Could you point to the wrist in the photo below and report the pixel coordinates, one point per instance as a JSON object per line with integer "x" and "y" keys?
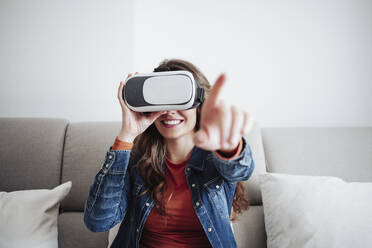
{"x": 230, "y": 154}
{"x": 228, "y": 150}
{"x": 231, "y": 149}
{"x": 126, "y": 137}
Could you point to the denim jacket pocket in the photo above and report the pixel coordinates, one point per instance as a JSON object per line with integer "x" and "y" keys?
{"x": 217, "y": 195}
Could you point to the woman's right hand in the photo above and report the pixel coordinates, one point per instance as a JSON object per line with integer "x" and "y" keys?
{"x": 133, "y": 123}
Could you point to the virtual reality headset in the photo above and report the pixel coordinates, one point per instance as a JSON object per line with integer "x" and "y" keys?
{"x": 158, "y": 91}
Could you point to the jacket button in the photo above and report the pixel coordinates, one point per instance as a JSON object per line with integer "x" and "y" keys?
{"x": 193, "y": 185}
{"x": 107, "y": 165}
{"x": 197, "y": 204}
{"x": 137, "y": 230}
{"x": 110, "y": 156}
{"x": 147, "y": 204}
{"x": 217, "y": 186}
{"x": 209, "y": 229}
{"x": 188, "y": 169}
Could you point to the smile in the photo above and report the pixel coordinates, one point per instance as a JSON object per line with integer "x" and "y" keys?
{"x": 171, "y": 123}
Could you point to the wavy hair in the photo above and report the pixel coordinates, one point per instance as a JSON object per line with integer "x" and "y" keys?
{"x": 151, "y": 149}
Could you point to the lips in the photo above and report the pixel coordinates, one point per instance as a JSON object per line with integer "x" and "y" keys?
{"x": 171, "y": 122}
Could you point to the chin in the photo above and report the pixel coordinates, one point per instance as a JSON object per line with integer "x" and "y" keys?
{"x": 174, "y": 135}
{"x": 170, "y": 135}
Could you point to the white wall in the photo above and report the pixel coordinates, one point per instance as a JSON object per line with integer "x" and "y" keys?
{"x": 64, "y": 58}
{"x": 290, "y": 63}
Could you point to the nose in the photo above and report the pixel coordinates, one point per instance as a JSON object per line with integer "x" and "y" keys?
{"x": 171, "y": 112}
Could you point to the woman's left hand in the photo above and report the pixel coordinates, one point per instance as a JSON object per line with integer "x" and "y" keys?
{"x": 221, "y": 126}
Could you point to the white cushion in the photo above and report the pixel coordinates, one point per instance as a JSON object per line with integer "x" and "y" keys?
{"x": 316, "y": 211}
{"x": 28, "y": 218}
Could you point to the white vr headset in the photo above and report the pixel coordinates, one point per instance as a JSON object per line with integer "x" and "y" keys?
{"x": 158, "y": 91}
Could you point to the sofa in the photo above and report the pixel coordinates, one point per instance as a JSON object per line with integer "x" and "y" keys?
{"x": 41, "y": 153}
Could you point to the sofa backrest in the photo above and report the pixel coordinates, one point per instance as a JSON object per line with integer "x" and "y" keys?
{"x": 344, "y": 152}
{"x": 31, "y": 152}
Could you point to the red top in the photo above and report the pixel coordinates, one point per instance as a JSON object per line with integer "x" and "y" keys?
{"x": 181, "y": 227}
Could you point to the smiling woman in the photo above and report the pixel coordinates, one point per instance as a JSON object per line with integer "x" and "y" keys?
{"x": 182, "y": 170}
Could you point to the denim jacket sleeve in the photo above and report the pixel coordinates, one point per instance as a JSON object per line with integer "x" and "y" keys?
{"x": 238, "y": 169}
{"x": 107, "y": 203}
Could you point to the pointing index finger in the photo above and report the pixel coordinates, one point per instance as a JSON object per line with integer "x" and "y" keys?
{"x": 216, "y": 89}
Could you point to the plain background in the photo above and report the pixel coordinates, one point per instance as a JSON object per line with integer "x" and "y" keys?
{"x": 289, "y": 63}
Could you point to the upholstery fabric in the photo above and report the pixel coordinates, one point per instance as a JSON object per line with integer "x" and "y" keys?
{"x": 323, "y": 211}
{"x": 30, "y": 152}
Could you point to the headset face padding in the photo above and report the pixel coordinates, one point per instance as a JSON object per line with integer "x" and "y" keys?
{"x": 157, "y": 91}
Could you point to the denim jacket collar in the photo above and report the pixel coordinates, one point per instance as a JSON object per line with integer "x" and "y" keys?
{"x": 197, "y": 160}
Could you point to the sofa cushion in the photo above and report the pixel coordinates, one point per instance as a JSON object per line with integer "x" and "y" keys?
{"x": 249, "y": 229}
{"x": 72, "y": 232}
{"x": 28, "y": 218}
{"x": 316, "y": 211}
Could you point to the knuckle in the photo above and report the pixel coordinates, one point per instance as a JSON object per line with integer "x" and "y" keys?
{"x": 218, "y": 109}
{"x": 234, "y": 109}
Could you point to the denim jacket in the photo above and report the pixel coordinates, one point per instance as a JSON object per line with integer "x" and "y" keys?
{"x": 114, "y": 195}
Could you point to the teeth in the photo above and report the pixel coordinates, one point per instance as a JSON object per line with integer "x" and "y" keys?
{"x": 173, "y": 122}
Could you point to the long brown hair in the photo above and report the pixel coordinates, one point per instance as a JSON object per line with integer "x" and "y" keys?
{"x": 151, "y": 150}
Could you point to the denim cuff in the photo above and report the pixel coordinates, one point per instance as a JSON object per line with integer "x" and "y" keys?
{"x": 238, "y": 169}
{"x": 116, "y": 161}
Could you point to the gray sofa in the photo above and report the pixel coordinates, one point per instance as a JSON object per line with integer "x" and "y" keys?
{"x": 40, "y": 153}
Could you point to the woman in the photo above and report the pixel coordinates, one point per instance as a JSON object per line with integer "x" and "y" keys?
{"x": 172, "y": 177}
